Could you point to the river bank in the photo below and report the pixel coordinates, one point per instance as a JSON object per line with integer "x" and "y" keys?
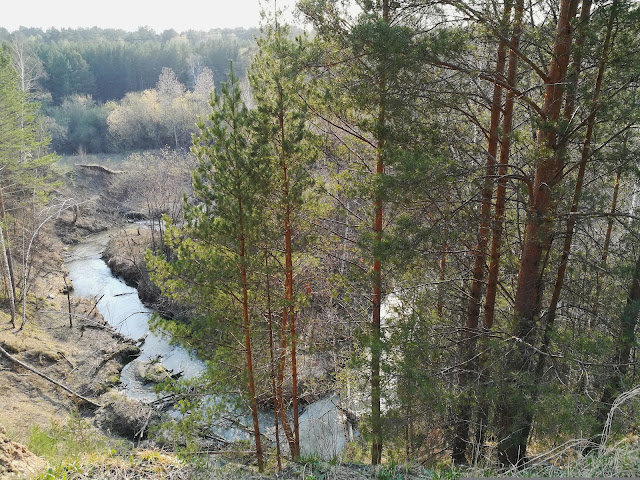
{"x": 121, "y": 308}
{"x": 86, "y": 356}
{"x": 65, "y": 338}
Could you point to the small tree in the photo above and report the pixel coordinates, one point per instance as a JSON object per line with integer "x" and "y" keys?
{"x": 217, "y": 251}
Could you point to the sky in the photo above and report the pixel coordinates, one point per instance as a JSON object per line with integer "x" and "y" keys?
{"x": 159, "y": 15}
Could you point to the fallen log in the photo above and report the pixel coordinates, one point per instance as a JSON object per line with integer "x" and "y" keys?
{"x": 126, "y": 354}
{"x": 40, "y": 374}
{"x": 99, "y": 168}
{"x": 95, "y": 305}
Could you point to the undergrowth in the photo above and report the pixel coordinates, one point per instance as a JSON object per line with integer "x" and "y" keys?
{"x": 66, "y": 442}
{"x": 619, "y": 460}
{"x": 75, "y": 450}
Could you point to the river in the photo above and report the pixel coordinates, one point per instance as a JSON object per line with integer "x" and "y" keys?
{"x": 321, "y": 428}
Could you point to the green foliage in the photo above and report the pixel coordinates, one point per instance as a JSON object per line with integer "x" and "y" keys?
{"x": 65, "y": 444}
{"x": 23, "y": 150}
{"x": 108, "y": 64}
{"x": 446, "y": 472}
{"x": 313, "y": 468}
{"x": 79, "y": 124}
{"x": 278, "y": 87}
{"x": 68, "y": 73}
{"x": 389, "y": 472}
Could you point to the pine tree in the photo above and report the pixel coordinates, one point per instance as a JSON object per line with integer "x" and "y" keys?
{"x": 218, "y": 249}
{"x": 278, "y": 87}
{"x": 373, "y": 68}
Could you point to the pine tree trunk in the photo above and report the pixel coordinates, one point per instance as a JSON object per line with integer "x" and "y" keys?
{"x": 12, "y": 300}
{"x": 550, "y": 315}
{"x": 376, "y": 336}
{"x": 289, "y": 311}
{"x": 277, "y": 402}
{"x": 376, "y": 297}
{"x": 8, "y": 261}
{"x": 376, "y": 342}
{"x": 288, "y": 317}
{"x": 605, "y": 247}
{"x": 441, "y": 277}
{"x": 247, "y": 341}
{"x": 576, "y": 65}
{"x": 516, "y": 407}
{"x": 469, "y": 368}
{"x": 501, "y": 189}
{"x": 286, "y": 427}
{"x": 482, "y": 419}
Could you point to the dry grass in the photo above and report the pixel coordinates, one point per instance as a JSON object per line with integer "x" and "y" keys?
{"x": 619, "y": 460}
{"x": 141, "y": 464}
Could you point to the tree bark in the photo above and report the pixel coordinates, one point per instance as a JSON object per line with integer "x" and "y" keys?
{"x": 6, "y": 252}
{"x": 605, "y": 247}
{"x": 515, "y": 410}
{"x": 286, "y": 427}
{"x": 288, "y": 313}
{"x": 11, "y": 290}
{"x": 441, "y": 277}
{"x": 501, "y": 189}
{"x": 376, "y": 336}
{"x": 277, "y": 402}
{"x": 482, "y": 419}
{"x": 247, "y": 340}
{"x": 550, "y": 315}
{"x": 471, "y": 333}
{"x": 67, "y": 290}
{"x": 576, "y": 65}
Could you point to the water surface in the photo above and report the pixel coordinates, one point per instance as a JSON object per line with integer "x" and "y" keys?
{"x": 321, "y": 423}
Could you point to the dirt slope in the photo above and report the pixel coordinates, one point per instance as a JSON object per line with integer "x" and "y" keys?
{"x": 16, "y": 461}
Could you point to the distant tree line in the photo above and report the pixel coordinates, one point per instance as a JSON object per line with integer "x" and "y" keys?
{"x": 78, "y": 74}
{"x": 107, "y": 64}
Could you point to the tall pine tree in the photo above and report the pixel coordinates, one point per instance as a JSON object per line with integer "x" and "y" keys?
{"x": 218, "y": 251}
{"x": 278, "y": 86}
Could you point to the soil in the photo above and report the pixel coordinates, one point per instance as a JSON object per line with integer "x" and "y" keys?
{"x": 125, "y": 253}
{"x": 125, "y": 417}
{"x": 86, "y": 357}
{"x": 125, "y": 257}
{"x": 16, "y": 461}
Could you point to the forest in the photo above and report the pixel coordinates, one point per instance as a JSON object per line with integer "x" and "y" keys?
{"x": 81, "y": 76}
{"x": 424, "y": 211}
